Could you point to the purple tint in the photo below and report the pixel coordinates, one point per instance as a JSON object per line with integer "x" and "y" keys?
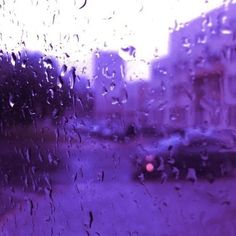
{"x": 105, "y": 156}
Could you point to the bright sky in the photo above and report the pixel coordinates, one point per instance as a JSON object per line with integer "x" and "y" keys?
{"x": 100, "y": 24}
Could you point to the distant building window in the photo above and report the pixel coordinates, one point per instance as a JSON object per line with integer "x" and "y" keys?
{"x": 214, "y": 56}
{"x": 229, "y": 53}
{"x": 232, "y": 85}
{"x": 232, "y": 116}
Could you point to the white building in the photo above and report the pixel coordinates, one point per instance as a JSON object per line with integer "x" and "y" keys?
{"x": 200, "y": 71}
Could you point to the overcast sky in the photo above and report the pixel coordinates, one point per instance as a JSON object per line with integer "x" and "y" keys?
{"x": 102, "y": 24}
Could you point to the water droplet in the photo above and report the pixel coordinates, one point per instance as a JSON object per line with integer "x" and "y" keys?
{"x": 112, "y": 86}
{"x": 63, "y": 70}
{"x": 30, "y": 206}
{"x": 77, "y": 37}
{"x": 127, "y": 52}
{"x": 23, "y": 64}
{"x": 13, "y": 58}
{"x": 72, "y": 78}
{"x": 11, "y": 101}
{"x": 115, "y": 101}
{"x": 186, "y": 43}
{"x": 59, "y": 82}
{"x": 106, "y": 73}
{"x": 47, "y": 63}
{"x": 84, "y": 4}
{"x": 124, "y": 96}
{"x": 226, "y": 31}
{"x": 206, "y": 23}
{"x": 201, "y": 39}
{"x": 40, "y": 156}
{"x": 51, "y": 93}
{"x": 105, "y": 91}
{"x": 50, "y": 158}
{"x": 27, "y": 155}
{"x": 50, "y": 96}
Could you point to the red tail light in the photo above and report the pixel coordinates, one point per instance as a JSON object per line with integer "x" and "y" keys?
{"x": 149, "y": 167}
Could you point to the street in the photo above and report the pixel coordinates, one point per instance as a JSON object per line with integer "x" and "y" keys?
{"x": 91, "y": 192}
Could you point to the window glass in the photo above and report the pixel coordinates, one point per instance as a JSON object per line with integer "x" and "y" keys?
{"x": 117, "y": 117}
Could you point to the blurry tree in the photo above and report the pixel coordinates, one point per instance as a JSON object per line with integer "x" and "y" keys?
{"x": 32, "y": 87}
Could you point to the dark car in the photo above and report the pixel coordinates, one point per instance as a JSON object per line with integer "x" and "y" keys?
{"x": 197, "y": 153}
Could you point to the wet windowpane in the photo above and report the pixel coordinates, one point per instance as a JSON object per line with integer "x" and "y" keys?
{"x": 117, "y": 117}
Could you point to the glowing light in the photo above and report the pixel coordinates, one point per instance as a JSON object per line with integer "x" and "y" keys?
{"x": 149, "y": 167}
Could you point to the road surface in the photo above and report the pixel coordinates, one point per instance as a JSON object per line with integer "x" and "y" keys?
{"x": 86, "y": 188}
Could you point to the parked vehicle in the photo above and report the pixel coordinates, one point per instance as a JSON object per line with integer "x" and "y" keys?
{"x": 209, "y": 153}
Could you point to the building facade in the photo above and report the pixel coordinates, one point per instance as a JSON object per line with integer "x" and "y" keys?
{"x": 200, "y": 71}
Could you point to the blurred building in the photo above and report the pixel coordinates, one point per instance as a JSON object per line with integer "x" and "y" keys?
{"x": 109, "y": 85}
{"x": 194, "y": 85}
{"x": 115, "y": 99}
{"x": 199, "y": 72}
